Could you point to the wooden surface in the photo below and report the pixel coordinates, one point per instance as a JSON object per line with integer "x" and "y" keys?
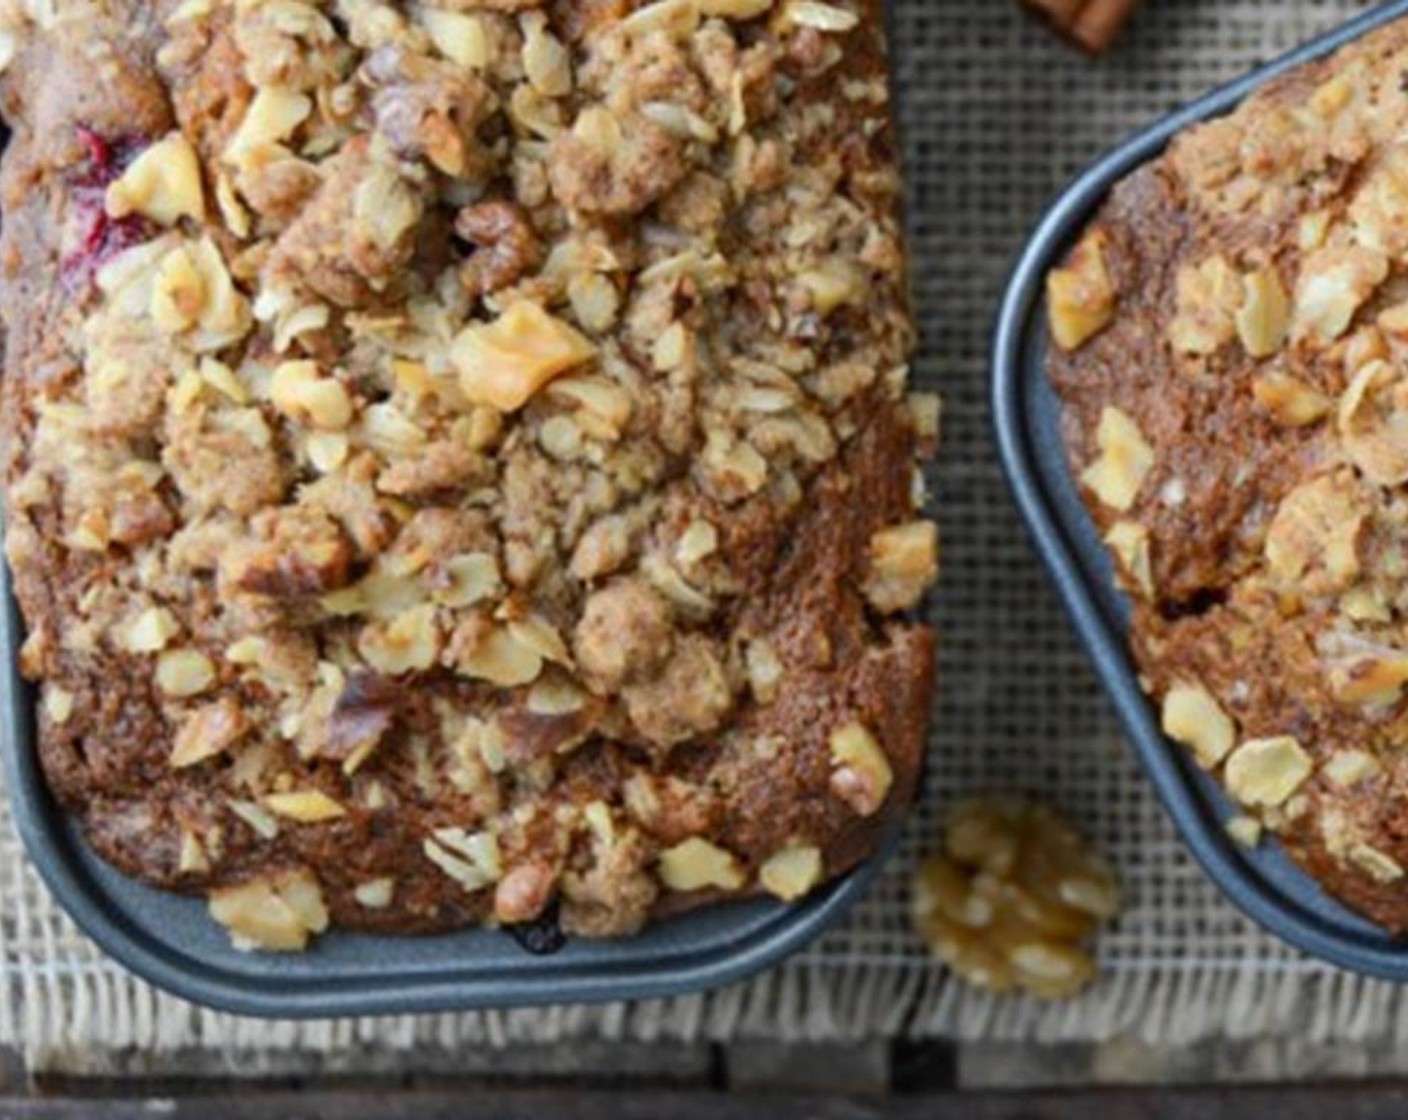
{"x": 1380, "y": 1102}
{"x": 745, "y": 1081}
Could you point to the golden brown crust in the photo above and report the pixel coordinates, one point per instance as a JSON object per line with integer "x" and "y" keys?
{"x": 459, "y": 459}
{"x": 1230, "y": 350}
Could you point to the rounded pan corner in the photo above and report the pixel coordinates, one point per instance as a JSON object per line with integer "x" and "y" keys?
{"x": 263, "y": 990}
{"x": 170, "y": 942}
{"x": 1265, "y": 885}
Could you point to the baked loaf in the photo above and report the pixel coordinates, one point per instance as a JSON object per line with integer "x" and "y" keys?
{"x": 457, "y": 455}
{"x": 1232, "y": 351}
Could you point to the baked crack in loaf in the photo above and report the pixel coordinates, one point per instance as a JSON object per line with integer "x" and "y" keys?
{"x": 457, "y": 454}
{"x": 1232, "y": 351}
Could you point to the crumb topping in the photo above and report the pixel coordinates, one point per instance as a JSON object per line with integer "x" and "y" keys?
{"x": 443, "y": 381}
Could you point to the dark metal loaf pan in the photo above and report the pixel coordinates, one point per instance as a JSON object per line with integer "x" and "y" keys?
{"x": 170, "y": 940}
{"x": 1026, "y": 413}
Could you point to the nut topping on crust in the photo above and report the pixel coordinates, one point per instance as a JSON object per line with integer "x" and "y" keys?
{"x": 863, "y": 776}
{"x": 449, "y": 418}
{"x": 695, "y": 864}
{"x": 162, "y": 184}
{"x": 1194, "y": 718}
{"x": 1080, "y": 297}
{"x": 1265, "y": 772}
{"x": 1313, "y": 542}
{"x": 791, "y": 873}
{"x": 1125, "y": 461}
{"x": 505, "y": 362}
{"x": 276, "y": 912}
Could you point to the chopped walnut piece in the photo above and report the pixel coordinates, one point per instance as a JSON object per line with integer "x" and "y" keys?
{"x": 277, "y": 911}
{"x": 1368, "y": 676}
{"x": 301, "y": 393}
{"x": 696, "y": 864}
{"x": 1291, "y": 403}
{"x": 1124, "y": 463}
{"x": 150, "y": 631}
{"x": 904, "y": 563}
{"x": 1245, "y": 831}
{"x": 1348, "y": 768}
{"x": 163, "y": 184}
{"x": 178, "y": 293}
{"x": 461, "y": 37}
{"x": 270, "y": 118}
{"x": 834, "y": 283}
{"x": 1334, "y": 284}
{"x": 546, "y": 62}
{"x": 1210, "y": 298}
{"x": 289, "y": 553}
{"x": 471, "y": 859}
{"x": 1373, "y": 422}
{"x": 375, "y": 894}
{"x": 1194, "y": 718}
{"x": 208, "y": 731}
{"x": 184, "y": 672}
{"x": 193, "y": 296}
{"x": 503, "y": 363}
{"x": 1021, "y": 920}
{"x": 814, "y": 14}
{"x": 524, "y": 892}
{"x": 697, "y": 543}
{"x": 862, "y": 775}
{"x": 1129, "y": 541}
{"x": 1265, "y": 772}
{"x": 1080, "y": 296}
{"x": 791, "y": 873}
{"x": 406, "y": 644}
{"x": 58, "y": 704}
{"x": 1313, "y": 541}
{"x": 507, "y": 246}
{"x": 361, "y": 716}
{"x": 426, "y": 109}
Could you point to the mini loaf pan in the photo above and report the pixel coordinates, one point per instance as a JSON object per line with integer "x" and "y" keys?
{"x": 171, "y": 941}
{"x": 1263, "y": 882}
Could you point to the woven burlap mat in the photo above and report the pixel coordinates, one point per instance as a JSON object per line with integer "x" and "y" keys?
{"x": 996, "y": 117}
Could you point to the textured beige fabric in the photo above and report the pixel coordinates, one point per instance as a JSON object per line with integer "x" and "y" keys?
{"x": 996, "y": 117}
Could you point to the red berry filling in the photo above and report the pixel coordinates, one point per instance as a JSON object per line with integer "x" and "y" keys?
{"x": 98, "y": 236}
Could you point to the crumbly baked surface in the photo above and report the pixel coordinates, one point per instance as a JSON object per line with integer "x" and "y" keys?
{"x": 457, "y": 457}
{"x": 1232, "y": 351}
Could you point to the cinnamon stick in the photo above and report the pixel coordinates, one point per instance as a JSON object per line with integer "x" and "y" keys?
{"x": 1091, "y": 25}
